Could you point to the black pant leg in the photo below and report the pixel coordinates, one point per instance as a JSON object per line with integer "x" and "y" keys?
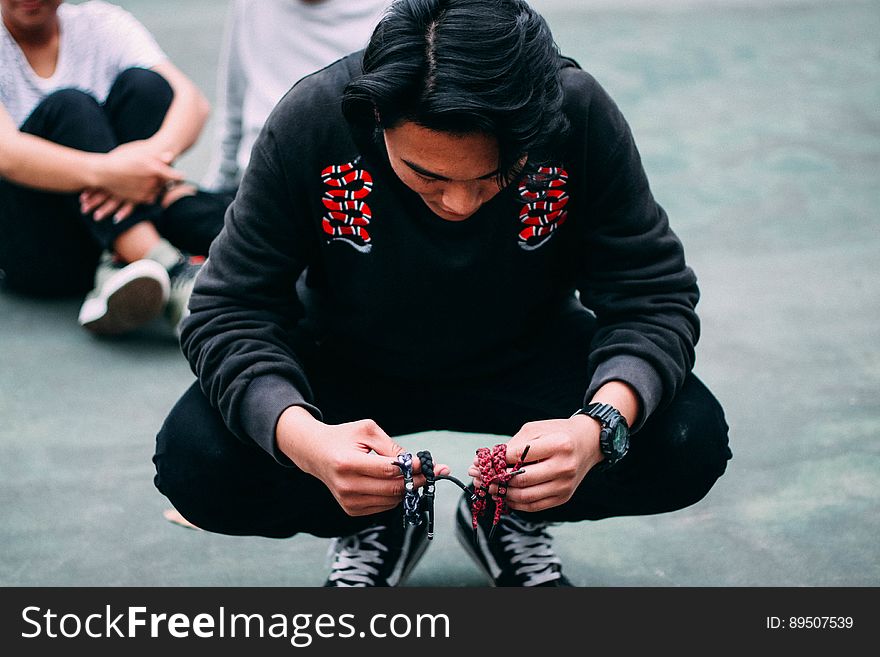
{"x": 192, "y": 222}
{"x": 135, "y": 109}
{"x": 228, "y": 486}
{"x": 137, "y": 104}
{"x": 674, "y": 461}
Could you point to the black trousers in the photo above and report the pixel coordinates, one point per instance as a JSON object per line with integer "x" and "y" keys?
{"x": 225, "y": 485}
{"x": 47, "y": 246}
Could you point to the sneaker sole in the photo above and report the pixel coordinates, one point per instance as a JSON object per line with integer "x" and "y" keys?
{"x": 135, "y": 295}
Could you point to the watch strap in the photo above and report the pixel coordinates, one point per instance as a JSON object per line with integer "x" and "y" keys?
{"x": 601, "y": 412}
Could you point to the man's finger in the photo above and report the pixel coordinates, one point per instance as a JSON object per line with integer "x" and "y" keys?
{"x": 124, "y": 212}
{"x": 541, "y": 446}
{"x": 539, "y": 505}
{"x": 166, "y": 173}
{"x": 107, "y": 208}
{"x": 91, "y": 200}
{"x": 519, "y": 496}
{"x": 376, "y": 466}
{"x": 382, "y": 491}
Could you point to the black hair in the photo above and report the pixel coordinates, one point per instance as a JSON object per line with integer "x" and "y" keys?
{"x": 464, "y": 66}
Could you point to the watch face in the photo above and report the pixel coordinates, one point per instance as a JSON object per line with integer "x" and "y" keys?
{"x": 620, "y": 439}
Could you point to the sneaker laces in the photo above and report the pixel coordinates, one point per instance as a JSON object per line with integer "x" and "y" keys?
{"x": 533, "y": 555}
{"x": 352, "y": 555}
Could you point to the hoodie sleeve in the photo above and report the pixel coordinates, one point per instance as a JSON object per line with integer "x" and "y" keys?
{"x": 635, "y": 279}
{"x": 244, "y": 305}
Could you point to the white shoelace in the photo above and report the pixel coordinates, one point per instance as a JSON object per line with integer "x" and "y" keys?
{"x": 352, "y": 556}
{"x": 533, "y": 555}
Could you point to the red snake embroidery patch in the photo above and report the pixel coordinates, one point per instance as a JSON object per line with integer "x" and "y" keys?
{"x": 545, "y": 198}
{"x": 348, "y": 215}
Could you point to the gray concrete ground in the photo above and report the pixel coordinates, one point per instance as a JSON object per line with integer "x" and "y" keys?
{"x": 759, "y": 124}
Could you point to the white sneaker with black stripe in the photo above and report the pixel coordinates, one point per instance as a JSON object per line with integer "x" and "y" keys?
{"x": 519, "y": 554}
{"x": 380, "y": 555}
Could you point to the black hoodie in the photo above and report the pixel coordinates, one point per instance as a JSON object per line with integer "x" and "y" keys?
{"x": 397, "y": 290}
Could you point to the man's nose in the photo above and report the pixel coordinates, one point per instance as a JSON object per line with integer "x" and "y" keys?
{"x": 461, "y": 198}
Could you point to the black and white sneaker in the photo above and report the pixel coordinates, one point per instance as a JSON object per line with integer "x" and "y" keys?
{"x": 380, "y": 555}
{"x": 183, "y": 279}
{"x": 125, "y": 297}
{"x": 519, "y": 554}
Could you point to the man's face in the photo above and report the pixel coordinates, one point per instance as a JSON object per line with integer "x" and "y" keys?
{"x": 454, "y": 174}
{"x": 28, "y": 15}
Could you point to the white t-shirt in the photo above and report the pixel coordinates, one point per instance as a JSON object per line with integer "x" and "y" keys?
{"x": 270, "y": 45}
{"x": 98, "y": 41}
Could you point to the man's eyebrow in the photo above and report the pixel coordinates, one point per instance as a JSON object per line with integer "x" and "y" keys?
{"x": 430, "y": 174}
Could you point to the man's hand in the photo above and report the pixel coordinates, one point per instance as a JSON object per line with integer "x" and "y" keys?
{"x": 561, "y": 452}
{"x": 101, "y": 204}
{"x": 354, "y": 460}
{"x": 131, "y": 173}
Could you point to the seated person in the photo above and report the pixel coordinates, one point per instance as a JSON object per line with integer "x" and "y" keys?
{"x": 92, "y": 117}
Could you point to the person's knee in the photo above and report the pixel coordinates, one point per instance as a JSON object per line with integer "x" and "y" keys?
{"x": 70, "y": 104}
{"x": 147, "y": 88}
{"x": 700, "y": 438}
{"x": 216, "y": 481}
{"x": 189, "y": 467}
{"x": 72, "y": 118}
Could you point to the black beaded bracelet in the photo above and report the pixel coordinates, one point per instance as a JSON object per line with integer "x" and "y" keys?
{"x": 410, "y": 496}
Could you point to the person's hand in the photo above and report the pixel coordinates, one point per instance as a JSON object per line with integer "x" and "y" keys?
{"x": 561, "y": 452}
{"x": 101, "y": 204}
{"x": 354, "y": 460}
{"x": 135, "y": 173}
